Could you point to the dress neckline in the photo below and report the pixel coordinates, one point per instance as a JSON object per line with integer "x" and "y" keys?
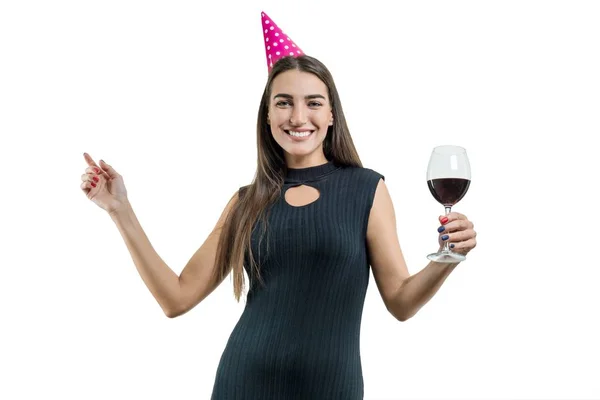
{"x": 310, "y": 174}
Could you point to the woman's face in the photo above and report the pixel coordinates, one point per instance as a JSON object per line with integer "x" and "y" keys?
{"x": 299, "y": 114}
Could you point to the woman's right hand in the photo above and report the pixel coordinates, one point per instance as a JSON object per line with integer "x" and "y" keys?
{"x": 103, "y": 185}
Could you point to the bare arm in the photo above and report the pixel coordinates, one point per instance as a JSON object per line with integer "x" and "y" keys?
{"x": 418, "y": 289}
{"x": 175, "y": 295}
{"x": 403, "y": 294}
{"x": 195, "y": 278}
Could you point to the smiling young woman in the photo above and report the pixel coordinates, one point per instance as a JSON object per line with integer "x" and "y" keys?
{"x": 308, "y": 230}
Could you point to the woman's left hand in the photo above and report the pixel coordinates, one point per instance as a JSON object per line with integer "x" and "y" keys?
{"x": 458, "y": 231}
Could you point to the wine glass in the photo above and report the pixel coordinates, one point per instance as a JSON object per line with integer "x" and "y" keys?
{"x": 448, "y": 179}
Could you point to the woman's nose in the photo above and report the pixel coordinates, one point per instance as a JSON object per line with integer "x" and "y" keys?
{"x": 298, "y": 117}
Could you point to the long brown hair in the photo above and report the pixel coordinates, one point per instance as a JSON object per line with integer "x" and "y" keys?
{"x": 271, "y": 170}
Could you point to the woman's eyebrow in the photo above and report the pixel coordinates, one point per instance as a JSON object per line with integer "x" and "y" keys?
{"x": 308, "y": 97}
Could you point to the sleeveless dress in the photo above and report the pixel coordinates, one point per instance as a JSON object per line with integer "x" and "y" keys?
{"x": 299, "y": 335}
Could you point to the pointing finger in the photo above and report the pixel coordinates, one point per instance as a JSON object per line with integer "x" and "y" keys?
{"x": 90, "y": 161}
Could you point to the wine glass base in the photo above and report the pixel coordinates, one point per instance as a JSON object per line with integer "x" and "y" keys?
{"x": 446, "y": 257}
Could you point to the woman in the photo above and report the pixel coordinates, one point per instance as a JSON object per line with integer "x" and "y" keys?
{"x": 305, "y": 231}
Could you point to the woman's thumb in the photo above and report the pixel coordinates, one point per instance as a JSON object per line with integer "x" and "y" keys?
{"x": 109, "y": 170}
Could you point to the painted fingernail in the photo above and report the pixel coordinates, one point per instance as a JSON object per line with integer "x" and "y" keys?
{"x": 444, "y": 220}
{"x": 93, "y": 184}
{"x": 95, "y": 178}
{"x": 452, "y": 246}
{"x": 441, "y": 229}
{"x": 96, "y": 170}
{"x": 445, "y": 237}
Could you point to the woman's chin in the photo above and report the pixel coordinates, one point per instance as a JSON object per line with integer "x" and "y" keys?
{"x": 298, "y": 152}
{"x": 298, "y": 147}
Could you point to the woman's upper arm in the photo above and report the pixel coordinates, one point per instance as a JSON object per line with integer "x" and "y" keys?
{"x": 195, "y": 278}
{"x": 386, "y": 259}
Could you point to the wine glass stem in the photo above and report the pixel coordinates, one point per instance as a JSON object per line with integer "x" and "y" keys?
{"x": 446, "y": 248}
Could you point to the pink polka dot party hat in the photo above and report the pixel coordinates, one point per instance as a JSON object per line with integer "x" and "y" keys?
{"x": 277, "y": 43}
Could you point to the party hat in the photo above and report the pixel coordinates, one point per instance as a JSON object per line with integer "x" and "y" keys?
{"x": 277, "y": 43}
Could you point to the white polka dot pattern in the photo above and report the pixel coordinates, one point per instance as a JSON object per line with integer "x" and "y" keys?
{"x": 271, "y": 34}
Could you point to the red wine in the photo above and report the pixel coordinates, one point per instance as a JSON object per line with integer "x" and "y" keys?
{"x": 448, "y": 191}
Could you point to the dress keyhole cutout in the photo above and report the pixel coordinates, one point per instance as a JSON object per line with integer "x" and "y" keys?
{"x": 302, "y": 195}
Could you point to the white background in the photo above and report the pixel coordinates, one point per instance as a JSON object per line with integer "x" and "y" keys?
{"x": 167, "y": 93}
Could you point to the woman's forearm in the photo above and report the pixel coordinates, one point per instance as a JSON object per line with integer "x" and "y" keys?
{"x": 162, "y": 282}
{"x": 419, "y": 288}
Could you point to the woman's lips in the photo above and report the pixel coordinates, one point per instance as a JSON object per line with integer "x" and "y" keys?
{"x": 299, "y": 138}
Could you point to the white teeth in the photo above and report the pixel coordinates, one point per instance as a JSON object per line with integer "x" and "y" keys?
{"x": 300, "y": 134}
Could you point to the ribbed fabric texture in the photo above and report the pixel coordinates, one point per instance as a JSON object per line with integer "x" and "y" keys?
{"x": 299, "y": 337}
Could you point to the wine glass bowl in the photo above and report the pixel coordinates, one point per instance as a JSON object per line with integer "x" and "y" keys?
{"x": 448, "y": 180}
{"x": 448, "y": 191}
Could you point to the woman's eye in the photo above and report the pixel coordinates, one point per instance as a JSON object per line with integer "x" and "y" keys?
{"x": 284, "y": 103}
